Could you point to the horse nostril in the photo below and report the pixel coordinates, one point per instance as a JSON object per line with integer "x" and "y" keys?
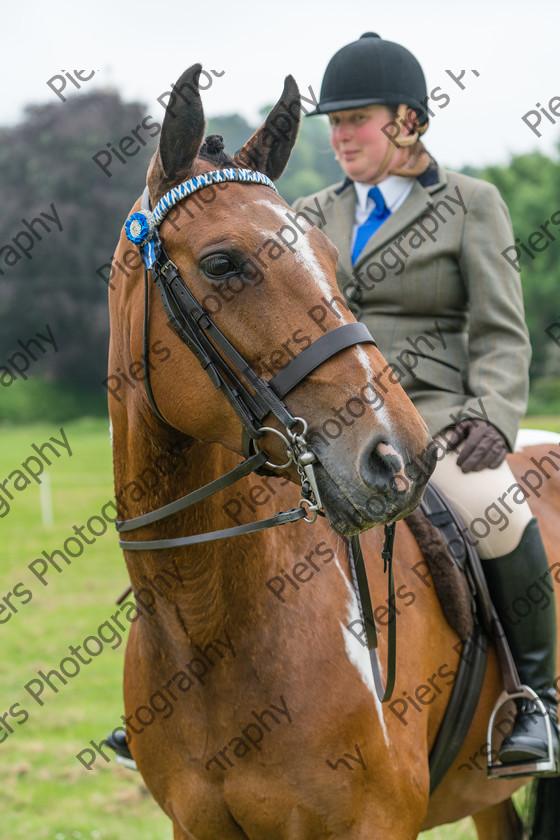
{"x": 382, "y": 468}
{"x": 390, "y": 457}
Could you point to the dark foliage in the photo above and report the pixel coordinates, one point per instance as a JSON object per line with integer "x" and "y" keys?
{"x": 46, "y": 160}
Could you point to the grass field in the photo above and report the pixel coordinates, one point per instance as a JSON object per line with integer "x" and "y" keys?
{"x": 45, "y": 793}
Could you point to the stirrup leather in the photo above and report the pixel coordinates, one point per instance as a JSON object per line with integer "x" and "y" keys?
{"x": 543, "y": 766}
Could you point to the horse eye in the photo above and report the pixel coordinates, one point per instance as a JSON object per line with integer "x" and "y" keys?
{"x": 219, "y": 266}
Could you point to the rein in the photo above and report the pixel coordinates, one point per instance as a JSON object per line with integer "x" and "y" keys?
{"x": 359, "y": 576}
{"x": 229, "y": 372}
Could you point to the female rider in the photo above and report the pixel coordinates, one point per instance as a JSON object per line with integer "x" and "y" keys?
{"x": 420, "y": 263}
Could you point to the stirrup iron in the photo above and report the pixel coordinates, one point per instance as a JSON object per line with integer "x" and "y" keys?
{"x": 542, "y": 766}
{"x": 126, "y": 762}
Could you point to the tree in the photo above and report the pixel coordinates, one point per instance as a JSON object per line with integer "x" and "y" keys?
{"x": 530, "y": 186}
{"x": 312, "y": 165}
{"x": 47, "y": 167}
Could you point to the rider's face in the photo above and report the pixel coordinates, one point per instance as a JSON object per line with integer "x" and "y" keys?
{"x": 359, "y": 142}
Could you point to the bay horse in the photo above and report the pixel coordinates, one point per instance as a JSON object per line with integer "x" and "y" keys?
{"x": 266, "y": 723}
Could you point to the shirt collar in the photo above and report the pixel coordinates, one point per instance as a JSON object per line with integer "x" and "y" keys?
{"x": 392, "y": 189}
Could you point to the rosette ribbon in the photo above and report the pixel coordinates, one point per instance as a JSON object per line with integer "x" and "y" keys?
{"x": 140, "y": 228}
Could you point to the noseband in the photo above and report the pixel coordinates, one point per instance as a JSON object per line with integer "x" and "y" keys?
{"x": 229, "y": 372}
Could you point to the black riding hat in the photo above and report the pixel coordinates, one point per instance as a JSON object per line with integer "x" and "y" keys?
{"x": 371, "y": 71}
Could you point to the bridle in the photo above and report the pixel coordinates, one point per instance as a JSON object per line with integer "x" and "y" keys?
{"x": 230, "y": 372}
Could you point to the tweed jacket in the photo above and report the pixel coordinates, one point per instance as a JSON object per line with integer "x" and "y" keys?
{"x": 444, "y": 306}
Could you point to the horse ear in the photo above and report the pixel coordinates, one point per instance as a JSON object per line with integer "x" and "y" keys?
{"x": 269, "y": 149}
{"x": 182, "y": 132}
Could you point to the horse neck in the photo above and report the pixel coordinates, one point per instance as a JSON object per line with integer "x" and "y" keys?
{"x": 210, "y": 581}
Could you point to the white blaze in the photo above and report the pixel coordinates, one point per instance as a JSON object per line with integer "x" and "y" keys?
{"x": 357, "y": 653}
{"x": 304, "y": 254}
{"x": 381, "y": 413}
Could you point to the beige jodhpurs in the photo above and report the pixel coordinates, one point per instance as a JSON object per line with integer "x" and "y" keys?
{"x": 490, "y": 503}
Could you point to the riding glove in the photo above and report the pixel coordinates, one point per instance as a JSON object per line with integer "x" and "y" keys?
{"x": 483, "y": 445}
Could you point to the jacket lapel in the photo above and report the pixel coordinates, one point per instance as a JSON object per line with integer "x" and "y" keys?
{"x": 414, "y": 207}
{"x": 340, "y": 224}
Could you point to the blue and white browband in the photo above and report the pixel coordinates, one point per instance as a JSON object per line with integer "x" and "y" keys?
{"x": 141, "y": 227}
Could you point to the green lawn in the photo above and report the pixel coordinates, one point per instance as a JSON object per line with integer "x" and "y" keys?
{"x": 549, "y": 422}
{"x": 45, "y": 792}
{"x": 48, "y": 794}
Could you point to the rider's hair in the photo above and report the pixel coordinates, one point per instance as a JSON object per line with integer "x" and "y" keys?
{"x": 418, "y": 158}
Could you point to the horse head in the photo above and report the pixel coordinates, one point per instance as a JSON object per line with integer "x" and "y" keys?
{"x": 265, "y": 277}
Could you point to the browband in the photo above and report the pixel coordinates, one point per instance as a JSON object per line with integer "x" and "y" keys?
{"x": 141, "y": 227}
{"x": 217, "y": 176}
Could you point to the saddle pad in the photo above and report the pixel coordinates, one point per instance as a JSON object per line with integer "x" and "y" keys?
{"x": 472, "y": 665}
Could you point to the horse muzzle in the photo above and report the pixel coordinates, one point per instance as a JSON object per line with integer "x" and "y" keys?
{"x": 384, "y": 486}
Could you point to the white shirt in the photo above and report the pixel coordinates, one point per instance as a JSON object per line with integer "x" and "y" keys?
{"x": 394, "y": 189}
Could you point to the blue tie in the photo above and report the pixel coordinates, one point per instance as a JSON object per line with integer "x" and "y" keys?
{"x": 375, "y": 219}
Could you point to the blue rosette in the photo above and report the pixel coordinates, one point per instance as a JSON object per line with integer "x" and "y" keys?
{"x": 140, "y": 227}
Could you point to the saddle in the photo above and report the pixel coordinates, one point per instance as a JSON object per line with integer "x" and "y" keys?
{"x": 477, "y": 627}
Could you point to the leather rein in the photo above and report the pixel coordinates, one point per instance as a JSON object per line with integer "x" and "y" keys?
{"x": 230, "y": 372}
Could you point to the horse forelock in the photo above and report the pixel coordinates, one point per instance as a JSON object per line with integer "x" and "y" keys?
{"x": 217, "y": 157}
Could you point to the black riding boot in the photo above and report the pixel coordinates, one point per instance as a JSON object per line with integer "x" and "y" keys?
{"x": 117, "y": 741}
{"x": 512, "y": 579}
